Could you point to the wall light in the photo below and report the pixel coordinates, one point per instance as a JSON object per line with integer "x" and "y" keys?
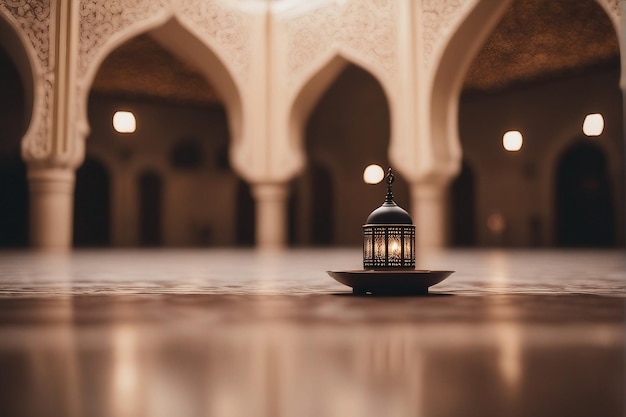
{"x": 512, "y": 141}
{"x": 373, "y": 174}
{"x": 496, "y": 223}
{"x": 124, "y": 122}
{"x": 593, "y": 124}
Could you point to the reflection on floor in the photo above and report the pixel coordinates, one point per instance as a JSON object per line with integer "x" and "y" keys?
{"x": 244, "y": 333}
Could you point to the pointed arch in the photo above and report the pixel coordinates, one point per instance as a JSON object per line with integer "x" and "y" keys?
{"x": 314, "y": 84}
{"x": 18, "y": 47}
{"x": 17, "y": 123}
{"x": 613, "y": 9}
{"x": 449, "y": 72}
{"x": 350, "y": 108}
{"x": 13, "y": 183}
{"x": 182, "y": 41}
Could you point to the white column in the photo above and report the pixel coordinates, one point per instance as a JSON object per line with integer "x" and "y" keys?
{"x": 51, "y": 192}
{"x": 428, "y": 210}
{"x": 271, "y": 215}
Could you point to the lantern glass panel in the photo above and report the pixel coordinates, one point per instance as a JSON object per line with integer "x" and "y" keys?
{"x": 408, "y": 244}
{"x": 367, "y": 244}
{"x": 379, "y": 245}
{"x": 394, "y": 246}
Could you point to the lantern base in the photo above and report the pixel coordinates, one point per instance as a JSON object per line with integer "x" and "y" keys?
{"x": 390, "y": 282}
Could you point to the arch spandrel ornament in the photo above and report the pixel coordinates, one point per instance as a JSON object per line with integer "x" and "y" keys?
{"x": 367, "y": 28}
{"x": 106, "y": 24}
{"x": 103, "y": 23}
{"x": 31, "y": 20}
{"x": 100, "y": 21}
{"x": 33, "y": 17}
{"x": 438, "y": 18}
{"x": 224, "y": 27}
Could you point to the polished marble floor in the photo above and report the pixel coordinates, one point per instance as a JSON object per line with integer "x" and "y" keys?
{"x": 246, "y": 333}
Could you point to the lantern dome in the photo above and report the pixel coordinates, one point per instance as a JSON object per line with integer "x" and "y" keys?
{"x": 389, "y": 213}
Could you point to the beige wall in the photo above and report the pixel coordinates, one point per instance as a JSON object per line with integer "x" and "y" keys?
{"x": 348, "y": 129}
{"x": 549, "y": 115}
{"x": 194, "y": 200}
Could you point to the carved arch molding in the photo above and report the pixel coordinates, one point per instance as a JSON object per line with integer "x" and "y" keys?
{"x": 225, "y": 26}
{"x": 101, "y": 22}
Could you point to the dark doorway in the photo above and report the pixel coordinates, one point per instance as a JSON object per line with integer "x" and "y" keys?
{"x": 311, "y": 218}
{"x": 245, "y": 215}
{"x": 13, "y": 184}
{"x": 584, "y": 204}
{"x": 13, "y": 201}
{"x": 92, "y": 202}
{"x": 322, "y": 209}
{"x": 150, "y": 207}
{"x": 293, "y": 209}
{"x": 463, "y": 208}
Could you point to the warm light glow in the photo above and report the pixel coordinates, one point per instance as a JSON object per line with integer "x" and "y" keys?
{"x": 394, "y": 248}
{"x": 124, "y": 122}
{"x": 593, "y": 124}
{"x": 512, "y": 141}
{"x": 373, "y": 174}
{"x": 496, "y": 223}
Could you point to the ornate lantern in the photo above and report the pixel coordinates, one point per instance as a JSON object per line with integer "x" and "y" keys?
{"x": 389, "y": 236}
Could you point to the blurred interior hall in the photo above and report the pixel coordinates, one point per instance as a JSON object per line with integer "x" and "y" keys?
{"x": 177, "y": 176}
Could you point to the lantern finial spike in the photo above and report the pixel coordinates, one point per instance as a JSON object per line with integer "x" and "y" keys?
{"x": 390, "y": 180}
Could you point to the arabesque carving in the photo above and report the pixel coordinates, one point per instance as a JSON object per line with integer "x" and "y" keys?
{"x": 102, "y": 19}
{"x": 364, "y": 26}
{"x": 33, "y": 18}
{"x": 226, "y": 27}
{"x": 438, "y": 15}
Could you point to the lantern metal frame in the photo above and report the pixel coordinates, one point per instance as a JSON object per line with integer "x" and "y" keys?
{"x": 378, "y": 239}
{"x": 389, "y": 236}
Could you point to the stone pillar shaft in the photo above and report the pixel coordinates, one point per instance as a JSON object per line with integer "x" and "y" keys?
{"x": 428, "y": 207}
{"x": 51, "y": 192}
{"x": 271, "y": 215}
